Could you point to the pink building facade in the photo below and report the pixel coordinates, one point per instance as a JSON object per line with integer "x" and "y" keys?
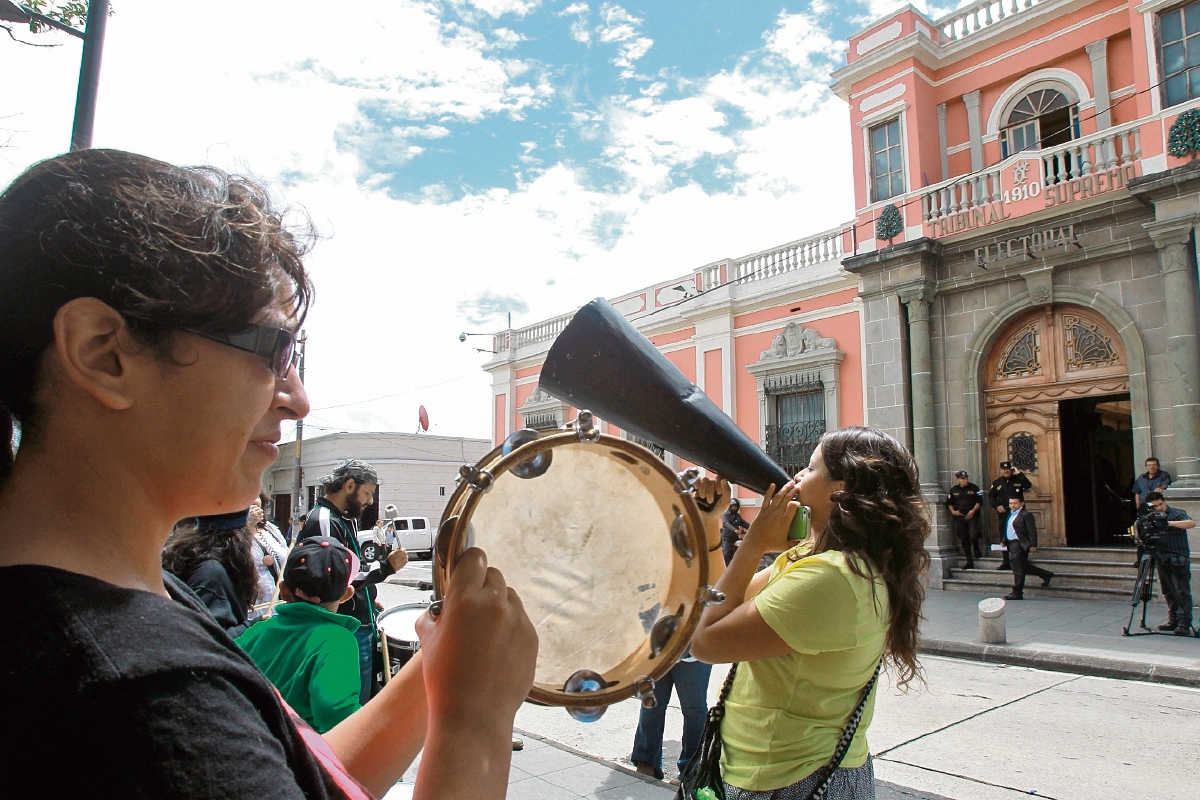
{"x": 1019, "y": 282}
{"x": 773, "y": 338}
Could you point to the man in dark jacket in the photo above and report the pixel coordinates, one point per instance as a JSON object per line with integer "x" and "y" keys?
{"x": 1020, "y": 535}
{"x": 348, "y": 490}
{"x": 732, "y": 528}
{"x": 965, "y": 502}
{"x": 1011, "y": 483}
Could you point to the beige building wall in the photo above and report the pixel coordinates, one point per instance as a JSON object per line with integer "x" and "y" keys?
{"x": 416, "y": 471}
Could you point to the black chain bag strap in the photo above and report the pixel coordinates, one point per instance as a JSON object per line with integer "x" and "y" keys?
{"x": 704, "y": 770}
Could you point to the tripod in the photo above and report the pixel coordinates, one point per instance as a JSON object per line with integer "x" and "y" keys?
{"x": 1143, "y": 591}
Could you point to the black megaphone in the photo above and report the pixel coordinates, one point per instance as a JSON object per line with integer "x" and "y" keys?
{"x": 601, "y": 363}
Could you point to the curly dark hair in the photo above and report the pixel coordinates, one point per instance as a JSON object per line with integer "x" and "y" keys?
{"x": 168, "y": 247}
{"x": 189, "y": 545}
{"x": 878, "y": 522}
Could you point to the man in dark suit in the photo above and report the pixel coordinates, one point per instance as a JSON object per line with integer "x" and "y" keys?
{"x": 1020, "y": 535}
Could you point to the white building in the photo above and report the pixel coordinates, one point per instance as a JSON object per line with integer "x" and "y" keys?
{"x": 416, "y": 471}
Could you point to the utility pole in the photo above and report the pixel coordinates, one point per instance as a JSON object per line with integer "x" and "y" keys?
{"x": 89, "y": 75}
{"x": 298, "y": 483}
{"x": 89, "y": 70}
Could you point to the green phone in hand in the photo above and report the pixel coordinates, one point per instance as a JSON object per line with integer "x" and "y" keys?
{"x": 800, "y": 524}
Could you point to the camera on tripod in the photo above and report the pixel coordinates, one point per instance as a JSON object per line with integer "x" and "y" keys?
{"x": 1151, "y": 526}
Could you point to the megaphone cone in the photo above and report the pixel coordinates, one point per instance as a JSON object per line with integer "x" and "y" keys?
{"x": 602, "y": 363}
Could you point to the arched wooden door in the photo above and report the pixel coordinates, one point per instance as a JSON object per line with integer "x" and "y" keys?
{"x": 1055, "y": 364}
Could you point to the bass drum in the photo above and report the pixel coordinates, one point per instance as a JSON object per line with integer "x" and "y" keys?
{"x": 605, "y": 546}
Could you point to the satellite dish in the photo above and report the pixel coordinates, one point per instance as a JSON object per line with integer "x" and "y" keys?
{"x": 423, "y": 418}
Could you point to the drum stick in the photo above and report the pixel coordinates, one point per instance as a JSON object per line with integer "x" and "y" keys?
{"x": 387, "y": 661}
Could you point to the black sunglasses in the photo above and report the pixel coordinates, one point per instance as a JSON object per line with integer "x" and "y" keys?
{"x": 276, "y": 345}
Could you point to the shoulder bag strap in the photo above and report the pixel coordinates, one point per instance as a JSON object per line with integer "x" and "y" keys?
{"x": 846, "y": 738}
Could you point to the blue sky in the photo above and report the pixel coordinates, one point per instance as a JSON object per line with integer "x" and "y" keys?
{"x": 464, "y": 159}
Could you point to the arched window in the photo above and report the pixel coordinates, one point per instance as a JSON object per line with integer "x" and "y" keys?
{"x": 1042, "y": 118}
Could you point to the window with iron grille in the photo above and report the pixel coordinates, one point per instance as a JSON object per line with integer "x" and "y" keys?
{"x": 542, "y": 422}
{"x": 651, "y": 446}
{"x": 1022, "y": 451}
{"x": 799, "y": 425}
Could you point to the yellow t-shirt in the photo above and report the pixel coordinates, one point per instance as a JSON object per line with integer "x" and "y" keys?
{"x": 785, "y": 714}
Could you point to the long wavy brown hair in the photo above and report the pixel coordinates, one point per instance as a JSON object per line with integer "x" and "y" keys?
{"x": 878, "y": 522}
{"x": 190, "y": 545}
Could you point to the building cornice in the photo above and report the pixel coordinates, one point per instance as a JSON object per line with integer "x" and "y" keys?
{"x": 937, "y": 56}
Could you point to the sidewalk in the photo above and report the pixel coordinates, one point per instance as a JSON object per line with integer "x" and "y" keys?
{"x": 1079, "y": 636}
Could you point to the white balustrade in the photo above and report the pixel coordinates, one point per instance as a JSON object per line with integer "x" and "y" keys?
{"x": 1108, "y": 149}
{"x": 960, "y": 194}
{"x": 826, "y": 246}
{"x": 961, "y": 23}
{"x": 710, "y": 277}
{"x": 541, "y": 332}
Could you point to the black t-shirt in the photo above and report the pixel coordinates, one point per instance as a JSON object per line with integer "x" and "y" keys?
{"x": 129, "y": 694}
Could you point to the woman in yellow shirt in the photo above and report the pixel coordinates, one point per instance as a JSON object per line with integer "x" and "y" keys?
{"x": 812, "y": 628}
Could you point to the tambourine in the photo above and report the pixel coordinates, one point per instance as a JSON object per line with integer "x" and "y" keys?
{"x": 606, "y": 548}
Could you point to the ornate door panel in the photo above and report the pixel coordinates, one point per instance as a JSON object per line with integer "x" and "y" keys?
{"x": 1027, "y": 435}
{"x": 1049, "y": 355}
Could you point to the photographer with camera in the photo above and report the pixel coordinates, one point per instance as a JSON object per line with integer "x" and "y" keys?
{"x": 1161, "y": 531}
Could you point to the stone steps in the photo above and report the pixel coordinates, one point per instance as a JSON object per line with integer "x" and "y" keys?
{"x": 1084, "y": 573}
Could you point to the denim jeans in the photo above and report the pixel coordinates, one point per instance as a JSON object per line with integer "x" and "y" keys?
{"x": 690, "y": 679}
{"x": 366, "y": 655}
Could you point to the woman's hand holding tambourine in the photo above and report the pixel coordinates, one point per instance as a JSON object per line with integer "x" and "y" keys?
{"x": 480, "y": 651}
{"x": 769, "y": 531}
{"x": 714, "y": 492}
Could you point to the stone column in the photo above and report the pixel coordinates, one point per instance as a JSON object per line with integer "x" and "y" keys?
{"x": 942, "y": 147}
{"x": 974, "y": 129}
{"x": 1098, "y": 53}
{"x": 1172, "y": 238}
{"x": 917, "y": 298}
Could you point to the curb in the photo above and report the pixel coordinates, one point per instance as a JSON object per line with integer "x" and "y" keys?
{"x": 1098, "y": 666}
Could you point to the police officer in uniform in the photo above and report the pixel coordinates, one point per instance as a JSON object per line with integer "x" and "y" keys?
{"x": 1011, "y": 483}
{"x": 965, "y": 502}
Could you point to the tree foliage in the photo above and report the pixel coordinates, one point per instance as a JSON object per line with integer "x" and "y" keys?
{"x": 73, "y": 13}
{"x": 1184, "y": 136}
{"x": 890, "y": 223}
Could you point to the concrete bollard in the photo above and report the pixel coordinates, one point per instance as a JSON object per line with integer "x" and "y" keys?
{"x": 991, "y": 621}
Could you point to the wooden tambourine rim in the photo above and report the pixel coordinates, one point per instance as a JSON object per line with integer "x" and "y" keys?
{"x": 462, "y": 505}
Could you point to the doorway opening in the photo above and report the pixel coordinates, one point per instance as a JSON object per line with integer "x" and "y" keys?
{"x": 1097, "y": 469}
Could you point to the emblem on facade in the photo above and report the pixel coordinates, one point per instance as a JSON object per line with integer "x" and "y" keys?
{"x": 796, "y": 340}
{"x": 1020, "y": 173}
{"x": 539, "y": 395}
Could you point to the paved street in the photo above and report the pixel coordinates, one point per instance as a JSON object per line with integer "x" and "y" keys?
{"x": 980, "y": 731}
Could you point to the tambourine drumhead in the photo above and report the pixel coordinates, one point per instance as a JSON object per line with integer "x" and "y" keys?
{"x": 601, "y": 547}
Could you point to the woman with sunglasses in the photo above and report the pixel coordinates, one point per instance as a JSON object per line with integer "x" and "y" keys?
{"x": 146, "y": 365}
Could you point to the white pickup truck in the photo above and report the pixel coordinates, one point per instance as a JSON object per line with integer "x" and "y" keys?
{"x": 414, "y": 534}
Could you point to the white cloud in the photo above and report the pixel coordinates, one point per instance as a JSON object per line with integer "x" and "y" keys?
{"x": 395, "y": 271}
{"x": 579, "y": 26}
{"x": 623, "y": 29}
{"x": 496, "y": 8}
{"x": 506, "y": 39}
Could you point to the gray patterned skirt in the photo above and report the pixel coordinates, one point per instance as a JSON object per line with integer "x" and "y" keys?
{"x": 856, "y": 783}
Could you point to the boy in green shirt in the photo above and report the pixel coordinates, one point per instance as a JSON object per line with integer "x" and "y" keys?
{"x": 308, "y": 650}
